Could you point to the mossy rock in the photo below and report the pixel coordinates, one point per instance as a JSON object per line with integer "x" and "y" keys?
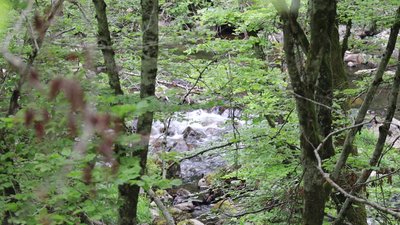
{"x": 225, "y": 206}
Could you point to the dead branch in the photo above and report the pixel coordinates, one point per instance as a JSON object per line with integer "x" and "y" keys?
{"x": 169, "y": 219}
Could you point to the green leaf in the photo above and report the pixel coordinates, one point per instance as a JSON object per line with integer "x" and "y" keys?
{"x": 4, "y": 11}
{"x": 123, "y": 110}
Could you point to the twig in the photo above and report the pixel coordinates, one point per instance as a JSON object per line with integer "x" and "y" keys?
{"x": 206, "y": 150}
{"x": 255, "y": 211}
{"x": 340, "y": 189}
{"x": 286, "y": 121}
{"x": 380, "y": 178}
{"x": 383, "y": 133}
{"x": 63, "y": 32}
{"x": 201, "y": 72}
{"x": 313, "y": 101}
{"x": 169, "y": 219}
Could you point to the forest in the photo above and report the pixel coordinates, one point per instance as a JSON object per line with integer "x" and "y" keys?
{"x": 199, "y": 112}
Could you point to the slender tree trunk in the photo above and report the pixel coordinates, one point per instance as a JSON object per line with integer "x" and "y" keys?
{"x": 130, "y": 193}
{"x": 348, "y": 144}
{"x": 105, "y": 44}
{"x": 345, "y": 42}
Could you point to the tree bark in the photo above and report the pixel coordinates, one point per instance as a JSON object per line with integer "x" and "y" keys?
{"x": 129, "y": 194}
{"x": 105, "y": 44}
{"x": 345, "y": 42}
{"x": 315, "y": 78}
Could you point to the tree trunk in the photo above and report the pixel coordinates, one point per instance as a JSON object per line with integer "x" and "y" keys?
{"x": 130, "y": 193}
{"x": 105, "y": 44}
{"x": 307, "y": 82}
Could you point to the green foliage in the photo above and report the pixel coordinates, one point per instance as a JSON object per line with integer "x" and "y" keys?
{"x": 242, "y": 70}
{"x": 4, "y": 11}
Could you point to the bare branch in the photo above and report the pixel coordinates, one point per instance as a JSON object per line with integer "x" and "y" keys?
{"x": 347, "y": 146}
{"x": 340, "y": 189}
{"x": 169, "y": 219}
{"x": 383, "y": 133}
{"x": 201, "y": 72}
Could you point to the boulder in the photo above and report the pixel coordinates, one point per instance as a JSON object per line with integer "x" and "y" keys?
{"x": 185, "y": 206}
{"x": 394, "y": 132}
{"x": 179, "y": 214}
{"x": 356, "y": 58}
{"x": 190, "y": 222}
{"x": 191, "y": 135}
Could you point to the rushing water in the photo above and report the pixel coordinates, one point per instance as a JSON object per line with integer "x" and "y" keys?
{"x": 189, "y": 131}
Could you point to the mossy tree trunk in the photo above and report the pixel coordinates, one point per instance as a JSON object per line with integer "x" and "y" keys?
{"x": 313, "y": 87}
{"x": 129, "y": 194}
{"x": 105, "y": 44}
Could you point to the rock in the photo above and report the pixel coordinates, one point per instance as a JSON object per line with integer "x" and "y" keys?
{"x": 190, "y": 222}
{"x": 366, "y": 71}
{"x": 358, "y": 58}
{"x": 181, "y": 146}
{"x": 197, "y": 202}
{"x": 179, "y": 214}
{"x": 183, "y": 192}
{"x": 154, "y": 213}
{"x": 229, "y": 113}
{"x": 185, "y": 206}
{"x": 213, "y": 131}
{"x": 173, "y": 170}
{"x": 225, "y": 205}
{"x": 179, "y": 200}
{"x": 164, "y": 196}
{"x": 217, "y": 110}
{"x": 203, "y": 184}
{"x": 181, "y": 195}
{"x": 351, "y": 64}
{"x": 191, "y": 135}
{"x": 394, "y": 132}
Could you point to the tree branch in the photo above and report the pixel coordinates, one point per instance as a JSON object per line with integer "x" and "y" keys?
{"x": 348, "y": 144}
{"x": 383, "y": 133}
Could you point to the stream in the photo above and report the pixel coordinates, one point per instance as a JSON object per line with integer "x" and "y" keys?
{"x": 189, "y": 132}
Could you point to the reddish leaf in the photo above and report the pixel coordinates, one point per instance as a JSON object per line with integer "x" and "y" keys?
{"x": 103, "y": 123}
{"x": 74, "y": 94}
{"x": 118, "y": 125}
{"x": 55, "y": 87}
{"x": 46, "y": 116}
{"x": 93, "y": 120}
{"x": 72, "y": 90}
{"x": 105, "y": 148}
{"x": 72, "y": 57}
{"x": 39, "y": 129}
{"x": 38, "y": 23}
{"x": 29, "y": 117}
{"x": 33, "y": 78}
{"x": 72, "y": 125}
{"x": 114, "y": 166}
{"x": 87, "y": 175}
